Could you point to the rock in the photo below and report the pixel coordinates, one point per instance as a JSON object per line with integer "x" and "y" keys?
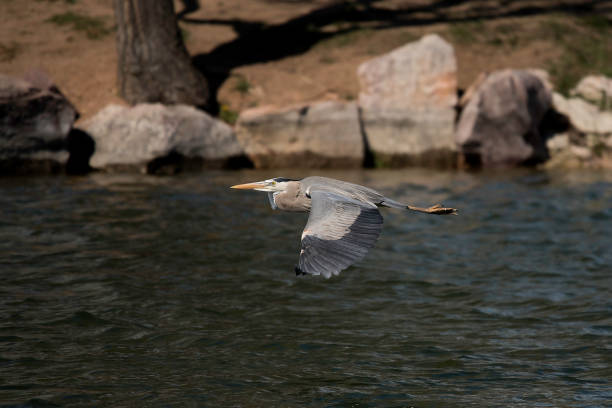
{"x": 558, "y": 143}
{"x": 407, "y": 101}
{"x": 583, "y": 116}
{"x": 154, "y": 137}
{"x": 35, "y": 119}
{"x": 543, "y": 75}
{"x": 500, "y": 124}
{"x": 323, "y": 134}
{"x": 596, "y": 89}
{"x": 474, "y": 86}
{"x": 575, "y": 156}
{"x": 587, "y": 142}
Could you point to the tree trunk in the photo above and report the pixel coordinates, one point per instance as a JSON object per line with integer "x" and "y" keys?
{"x": 154, "y": 65}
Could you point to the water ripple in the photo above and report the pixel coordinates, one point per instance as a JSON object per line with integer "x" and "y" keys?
{"x": 176, "y": 291}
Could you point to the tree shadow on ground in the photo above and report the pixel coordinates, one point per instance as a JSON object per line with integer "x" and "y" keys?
{"x": 259, "y": 42}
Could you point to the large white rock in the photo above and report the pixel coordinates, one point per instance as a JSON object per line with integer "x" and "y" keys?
{"x": 596, "y": 89}
{"x": 407, "y": 100}
{"x": 145, "y": 134}
{"x": 322, "y": 134}
{"x": 588, "y": 140}
{"x": 583, "y": 116}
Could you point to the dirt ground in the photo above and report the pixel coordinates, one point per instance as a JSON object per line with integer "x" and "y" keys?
{"x": 260, "y": 52}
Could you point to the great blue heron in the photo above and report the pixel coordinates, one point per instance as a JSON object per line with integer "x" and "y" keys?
{"x": 344, "y": 221}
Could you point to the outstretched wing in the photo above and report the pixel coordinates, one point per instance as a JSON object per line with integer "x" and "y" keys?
{"x": 339, "y": 232}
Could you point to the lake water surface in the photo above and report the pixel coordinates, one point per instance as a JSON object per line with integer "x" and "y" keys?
{"x": 136, "y": 291}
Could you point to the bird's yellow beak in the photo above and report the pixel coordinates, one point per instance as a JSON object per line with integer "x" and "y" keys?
{"x": 249, "y": 186}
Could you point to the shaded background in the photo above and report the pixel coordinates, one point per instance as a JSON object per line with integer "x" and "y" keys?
{"x": 258, "y": 52}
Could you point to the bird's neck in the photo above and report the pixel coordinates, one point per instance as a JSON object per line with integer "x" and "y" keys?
{"x": 292, "y": 199}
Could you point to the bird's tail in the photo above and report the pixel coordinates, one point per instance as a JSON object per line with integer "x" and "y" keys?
{"x": 437, "y": 209}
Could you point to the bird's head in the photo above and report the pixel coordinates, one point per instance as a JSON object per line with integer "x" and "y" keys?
{"x": 271, "y": 185}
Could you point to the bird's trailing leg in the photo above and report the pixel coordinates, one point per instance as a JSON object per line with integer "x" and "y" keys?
{"x": 434, "y": 209}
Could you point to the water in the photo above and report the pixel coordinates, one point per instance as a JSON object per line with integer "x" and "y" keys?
{"x": 179, "y": 292}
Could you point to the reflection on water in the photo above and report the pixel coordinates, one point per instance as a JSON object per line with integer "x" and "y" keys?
{"x": 176, "y": 291}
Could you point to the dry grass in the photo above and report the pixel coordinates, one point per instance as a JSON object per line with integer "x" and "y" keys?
{"x": 58, "y": 36}
{"x": 586, "y": 46}
{"x": 93, "y": 27}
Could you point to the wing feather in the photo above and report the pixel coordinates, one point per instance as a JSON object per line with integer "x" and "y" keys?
{"x": 339, "y": 232}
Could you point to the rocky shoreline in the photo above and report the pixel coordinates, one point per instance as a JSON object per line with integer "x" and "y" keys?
{"x": 408, "y": 113}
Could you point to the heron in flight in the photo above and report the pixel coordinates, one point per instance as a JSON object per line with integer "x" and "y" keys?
{"x": 344, "y": 221}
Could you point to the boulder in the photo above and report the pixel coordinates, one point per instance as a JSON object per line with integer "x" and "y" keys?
{"x": 35, "y": 119}
{"x": 569, "y": 151}
{"x": 474, "y": 86}
{"x": 155, "y": 137}
{"x": 407, "y": 101}
{"x": 500, "y": 124}
{"x": 583, "y": 116}
{"x": 588, "y": 140}
{"x": 544, "y": 76}
{"x": 596, "y": 89}
{"x": 322, "y": 134}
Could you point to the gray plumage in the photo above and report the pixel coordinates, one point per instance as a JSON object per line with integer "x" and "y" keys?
{"x": 339, "y": 232}
{"x": 344, "y": 221}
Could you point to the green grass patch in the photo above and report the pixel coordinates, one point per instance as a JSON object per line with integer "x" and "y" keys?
{"x": 584, "y": 43}
{"x": 597, "y": 23}
{"x": 93, "y": 27}
{"x": 466, "y": 32}
{"x": 586, "y": 49}
{"x": 242, "y": 85}
{"x": 556, "y": 29}
{"x": 605, "y": 103}
{"x": 599, "y": 149}
{"x": 185, "y": 34}
{"x": 228, "y": 115}
{"x": 479, "y": 32}
{"x": 346, "y": 38}
{"x": 503, "y": 35}
{"x": 382, "y": 161}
